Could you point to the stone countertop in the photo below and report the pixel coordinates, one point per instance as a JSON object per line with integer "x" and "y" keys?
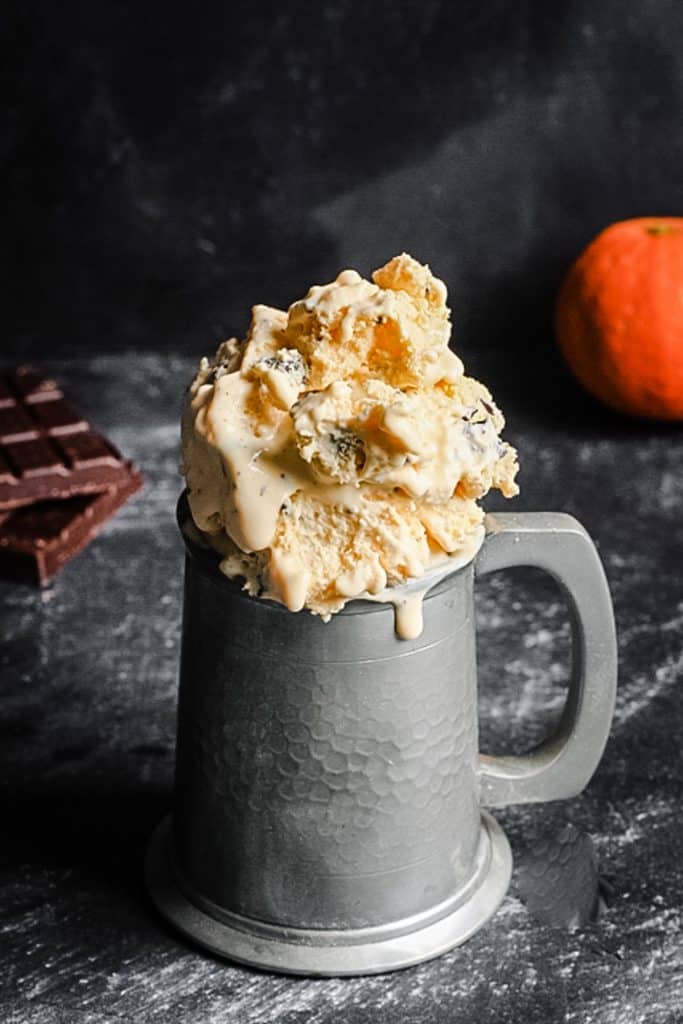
{"x": 87, "y": 723}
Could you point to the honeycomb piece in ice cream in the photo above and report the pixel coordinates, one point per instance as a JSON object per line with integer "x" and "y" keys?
{"x": 405, "y": 274}
{"x": 449, "y": 524}
{"x": 264, "y": 337}
{"x": 395, "y": 329}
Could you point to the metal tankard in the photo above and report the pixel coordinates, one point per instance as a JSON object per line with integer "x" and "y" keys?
{"x": 329, "y": 804}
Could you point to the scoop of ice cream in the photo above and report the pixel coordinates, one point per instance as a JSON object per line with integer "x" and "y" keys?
{"x": 429, "y": 443}
{"x": 395, "y": 329}
{"x": 340, "y": 449}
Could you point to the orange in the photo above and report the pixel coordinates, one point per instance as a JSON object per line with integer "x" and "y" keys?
{"x": 619, "y": 317}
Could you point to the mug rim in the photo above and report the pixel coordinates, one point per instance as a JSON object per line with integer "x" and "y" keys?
{"x": 208, "y": 560}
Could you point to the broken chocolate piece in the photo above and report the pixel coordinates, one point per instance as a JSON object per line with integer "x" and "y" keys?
{"x": 47, "y": 448}
{"x": 36, "y": 541}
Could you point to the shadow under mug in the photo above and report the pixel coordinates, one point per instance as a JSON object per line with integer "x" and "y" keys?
{"x": 329, "y": 799}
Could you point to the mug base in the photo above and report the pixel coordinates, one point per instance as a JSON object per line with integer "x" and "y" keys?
{"x": 330, "y": 953}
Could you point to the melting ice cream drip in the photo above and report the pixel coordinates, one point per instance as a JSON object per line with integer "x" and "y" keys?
{"x": 407, "y": 598}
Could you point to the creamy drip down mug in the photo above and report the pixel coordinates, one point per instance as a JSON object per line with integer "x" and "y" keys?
{"x": 330, "y": 799}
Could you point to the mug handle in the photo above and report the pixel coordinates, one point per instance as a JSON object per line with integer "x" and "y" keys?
{"x": 565, "y": 761}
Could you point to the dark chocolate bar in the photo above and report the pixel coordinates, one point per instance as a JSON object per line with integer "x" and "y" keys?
{"x": 47, "y": 448}
{"x": 36, "y": 541}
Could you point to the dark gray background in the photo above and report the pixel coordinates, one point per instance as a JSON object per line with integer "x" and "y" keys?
{"x": 168, "y": 165}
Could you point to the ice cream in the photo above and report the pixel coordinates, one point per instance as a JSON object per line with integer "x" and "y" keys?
{"x": 340, "y": 450}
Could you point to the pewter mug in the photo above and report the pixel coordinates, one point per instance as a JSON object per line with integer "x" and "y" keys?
{"x": 328, "y": 815}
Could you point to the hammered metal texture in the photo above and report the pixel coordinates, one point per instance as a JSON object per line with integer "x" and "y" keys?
{"x": 325, "y": 772}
